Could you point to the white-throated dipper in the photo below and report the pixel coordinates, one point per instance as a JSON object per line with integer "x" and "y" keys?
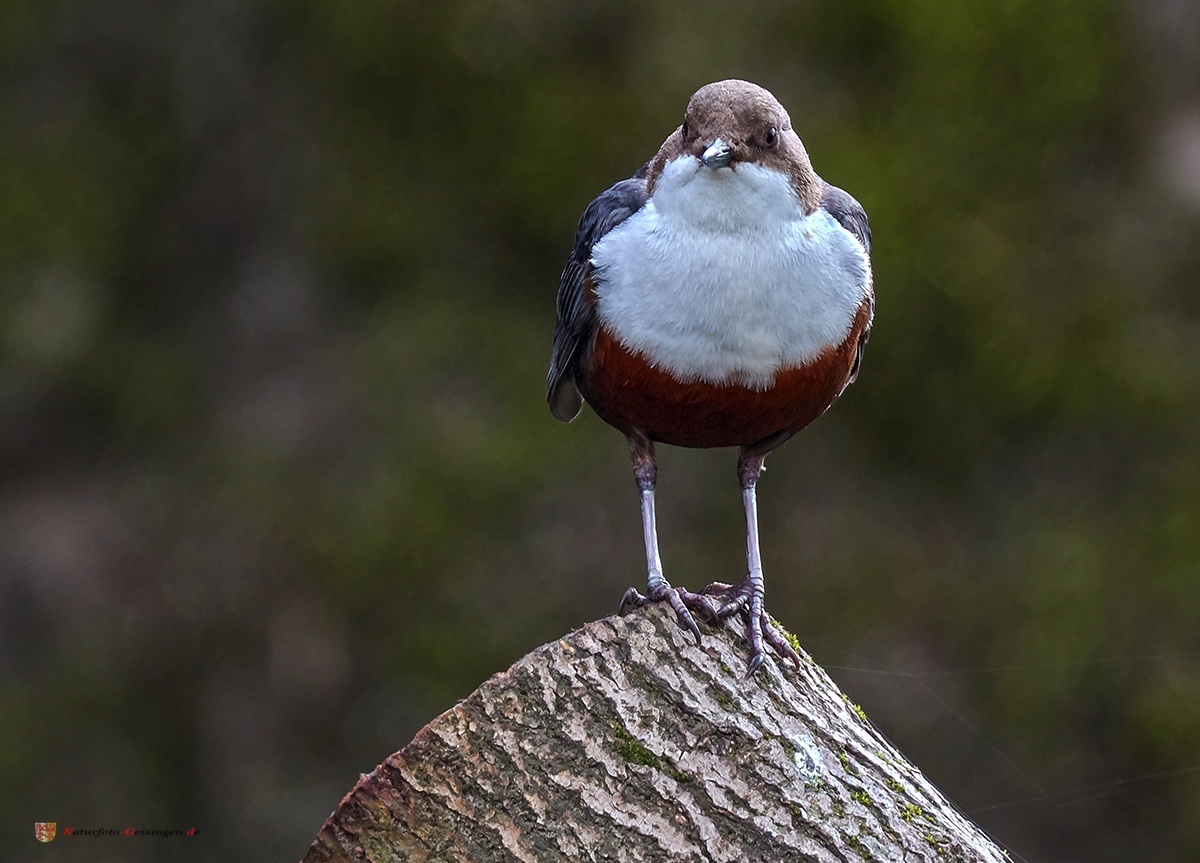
{"x": 720, "y": 297}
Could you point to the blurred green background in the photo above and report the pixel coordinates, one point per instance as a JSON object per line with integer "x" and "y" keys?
{"x": 279, "y": 484}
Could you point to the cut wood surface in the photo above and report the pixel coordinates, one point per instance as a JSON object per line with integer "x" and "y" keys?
{"x": 624, "y": 741}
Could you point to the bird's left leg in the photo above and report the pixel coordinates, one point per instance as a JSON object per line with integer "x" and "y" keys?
{"x": 747, "y": 596}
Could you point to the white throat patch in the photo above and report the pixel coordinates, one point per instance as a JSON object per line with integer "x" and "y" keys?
{"x": 721, "y": 277}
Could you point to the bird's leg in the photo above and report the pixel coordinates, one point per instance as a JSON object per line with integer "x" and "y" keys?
{"x": 747, "y": 597}
{"x": 658, "y": 589}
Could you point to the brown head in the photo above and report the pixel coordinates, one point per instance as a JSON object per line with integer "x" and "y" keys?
{"x": 734, "y": 122}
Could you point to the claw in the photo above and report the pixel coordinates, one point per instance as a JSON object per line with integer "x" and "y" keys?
{"x": 684, "y": 616}
{"x": 680, "y": 601}
{"x": 744, "y": 600}
{"x": 741, "y": 599}
{"x": 632, "y": 599}
{"x": 735, "y": 595}
{"x": 696, "y": 601}
{"x": 777, "y": 641}
{"x": 732, "y": 607}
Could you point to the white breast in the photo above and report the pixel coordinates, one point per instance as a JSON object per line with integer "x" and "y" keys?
{"x": 721, "y": 277}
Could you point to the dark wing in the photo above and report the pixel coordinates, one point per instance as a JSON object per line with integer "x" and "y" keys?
{"x": 576, "y": 318}
{"x": 848, "y": 212}
{"x": 851, "y": 216}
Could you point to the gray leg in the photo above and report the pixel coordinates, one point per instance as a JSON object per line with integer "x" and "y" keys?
{"x": 747, "y": 597}
{"x": 748, "y": 473}
{"x": 658, "y": 589}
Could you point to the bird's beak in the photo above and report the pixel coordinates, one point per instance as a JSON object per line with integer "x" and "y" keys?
{"x": 717, "y": 155}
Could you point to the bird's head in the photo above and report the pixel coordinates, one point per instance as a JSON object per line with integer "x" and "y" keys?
{"x": 732, "y": 123}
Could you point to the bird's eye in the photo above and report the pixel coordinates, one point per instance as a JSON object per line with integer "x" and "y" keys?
{"x": 772, "y": 137}
{"x": 683, "y": 130}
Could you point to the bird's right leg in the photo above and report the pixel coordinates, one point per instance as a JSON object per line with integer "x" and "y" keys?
{"x": 658, "y": 589}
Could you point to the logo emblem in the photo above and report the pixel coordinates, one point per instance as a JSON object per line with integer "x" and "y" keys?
{"x": 44, "y": 830}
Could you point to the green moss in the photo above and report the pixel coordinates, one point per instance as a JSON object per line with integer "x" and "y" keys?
{"x": 788, "y": 636}
{"x": 628, "y": 747}
{"x": 862, "y": 797}
{"x": 911, "y": 811}
{"x": 858, "y": 711}
{"x": 894, "y": 785}
{"x": 857, "y": 844}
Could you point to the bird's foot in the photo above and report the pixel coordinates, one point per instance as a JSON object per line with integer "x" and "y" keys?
{"x": 680, "y": 599}
{"x": 746, "y": 599}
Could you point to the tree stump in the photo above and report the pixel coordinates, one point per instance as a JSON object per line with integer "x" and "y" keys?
{"x": 624, "y": 741}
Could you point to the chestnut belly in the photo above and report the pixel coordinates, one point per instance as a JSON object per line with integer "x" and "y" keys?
{"x": 629, "y": 393}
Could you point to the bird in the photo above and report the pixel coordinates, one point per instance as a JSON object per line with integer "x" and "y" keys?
{"x": 721, "y": 296}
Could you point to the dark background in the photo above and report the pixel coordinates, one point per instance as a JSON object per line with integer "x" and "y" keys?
{"x": 278, "y": 484}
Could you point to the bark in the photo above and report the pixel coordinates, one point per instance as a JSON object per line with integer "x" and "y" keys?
{"x": 624, "y": 741}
